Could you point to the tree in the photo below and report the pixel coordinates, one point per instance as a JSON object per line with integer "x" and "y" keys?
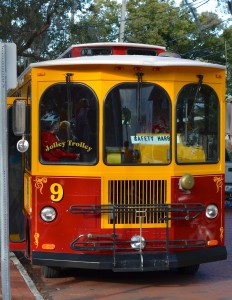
{"x": 225, "y": 6}
{"x": 159, "y": 22}
{"x": 146, "y": 21}
{"x": 38, "y": 27}
{"x": 99, "y": 24}
{"x": 227, "y": 35}
{"x": 208, "y": 42}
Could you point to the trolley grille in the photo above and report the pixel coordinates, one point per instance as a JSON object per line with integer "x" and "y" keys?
{"x": 141, "y": 195}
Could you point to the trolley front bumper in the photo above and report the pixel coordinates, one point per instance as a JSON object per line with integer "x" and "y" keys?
{"x": 136, "y": 262}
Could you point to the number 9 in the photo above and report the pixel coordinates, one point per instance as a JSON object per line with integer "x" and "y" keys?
{"x": 57, "y": 192}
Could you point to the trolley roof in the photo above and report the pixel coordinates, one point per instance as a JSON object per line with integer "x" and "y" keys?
{"x": 112, "y": 45}
{"x": 130, "y": 60}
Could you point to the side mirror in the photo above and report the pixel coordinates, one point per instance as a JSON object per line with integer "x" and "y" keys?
{"x": 19, "y": 124}
{"x": 22, "y": 145}
{"x": 19, "y": 117}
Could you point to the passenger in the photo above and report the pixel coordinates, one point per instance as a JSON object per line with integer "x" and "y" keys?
{"x": 161, "y": 125}
{"x": 50, "y": 143}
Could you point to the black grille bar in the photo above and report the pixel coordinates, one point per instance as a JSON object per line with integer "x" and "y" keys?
{"x": 91, "y": 242}
{"x": 165, "y": 212}
{"x": 114, "y": 242}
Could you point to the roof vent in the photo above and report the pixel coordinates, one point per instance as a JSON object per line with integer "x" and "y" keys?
{"x": 169, "y": 54}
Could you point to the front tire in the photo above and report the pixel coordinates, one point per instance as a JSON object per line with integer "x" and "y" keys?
{"x": 50, "y": 272}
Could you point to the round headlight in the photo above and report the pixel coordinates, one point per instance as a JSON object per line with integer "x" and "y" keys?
{"x": 211, "y": 211}
{"x": 48, "y": 214}
{"x": 137, "y": 242}
{"x": 186, "y": 182}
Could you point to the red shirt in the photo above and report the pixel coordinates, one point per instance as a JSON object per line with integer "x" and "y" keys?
{"x": 50, "y": 148}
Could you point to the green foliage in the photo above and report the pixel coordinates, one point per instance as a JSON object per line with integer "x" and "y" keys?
{"x": 99, "y": 24}
{"x": 227, "y": 35}
{"x": 159, "y": 22}
{"x": 37, "y": 26}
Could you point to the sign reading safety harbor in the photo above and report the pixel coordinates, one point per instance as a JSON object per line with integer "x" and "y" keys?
{"x": 150, "y": 139}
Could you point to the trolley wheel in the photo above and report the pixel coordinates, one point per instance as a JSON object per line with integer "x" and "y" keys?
{"x": 189, "y": 270}
{"x": 50, "y": 272}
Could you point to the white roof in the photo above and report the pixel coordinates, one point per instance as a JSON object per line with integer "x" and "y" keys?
{"x": 137, "y": 45}
{"x": 129, "y": 60}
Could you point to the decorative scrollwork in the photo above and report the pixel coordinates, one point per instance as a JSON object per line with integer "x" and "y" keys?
{"x": 36, "y": 236}
{"x": 221, "y": 233}
{"x": 39, "y": 183}
{"x": 219, "y": 182}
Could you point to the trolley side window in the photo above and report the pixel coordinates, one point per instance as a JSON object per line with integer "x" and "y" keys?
{"x": 137, "y": 122}
{"x": 68, "y": 125}
{"x": 197, "y": 125}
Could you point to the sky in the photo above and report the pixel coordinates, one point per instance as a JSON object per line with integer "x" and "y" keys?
{"x": 205, "y": 5}
{"x": 210, "y": 6}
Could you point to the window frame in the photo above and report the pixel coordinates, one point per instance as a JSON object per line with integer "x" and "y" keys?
{"x": 95, "y": 106}
{"x": 213, "y": 94}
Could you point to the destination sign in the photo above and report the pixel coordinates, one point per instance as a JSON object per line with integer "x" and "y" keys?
{"x": 150, "y": 139}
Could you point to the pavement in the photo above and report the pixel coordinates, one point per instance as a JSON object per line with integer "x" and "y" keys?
{"x": 21, "y": 285}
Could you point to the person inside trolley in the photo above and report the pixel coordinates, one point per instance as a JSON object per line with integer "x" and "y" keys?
{"x": 51, "y": 146}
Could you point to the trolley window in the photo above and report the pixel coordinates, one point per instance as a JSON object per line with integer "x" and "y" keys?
{"x": 197, "y": 125}
{"x": 68, "y": 125}
{"x": 137, "y": 124}
{"x": 96, "y": 51}
{"x": 136, "y": 51}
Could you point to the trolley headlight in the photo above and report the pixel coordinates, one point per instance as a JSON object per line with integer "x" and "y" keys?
{"x": 48, "y": 214}
{"x": 138, "y": 242}
{"x": 186, "y": 182}
{"x": 211, "y": 211}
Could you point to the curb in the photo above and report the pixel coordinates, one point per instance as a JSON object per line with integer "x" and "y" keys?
{"x": 26, "y": 277}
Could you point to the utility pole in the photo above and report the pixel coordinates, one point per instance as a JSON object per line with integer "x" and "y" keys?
{"x": 122, "y": 24}
{"x": 227, "y": 64}
{"x": 8, "y": 79}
